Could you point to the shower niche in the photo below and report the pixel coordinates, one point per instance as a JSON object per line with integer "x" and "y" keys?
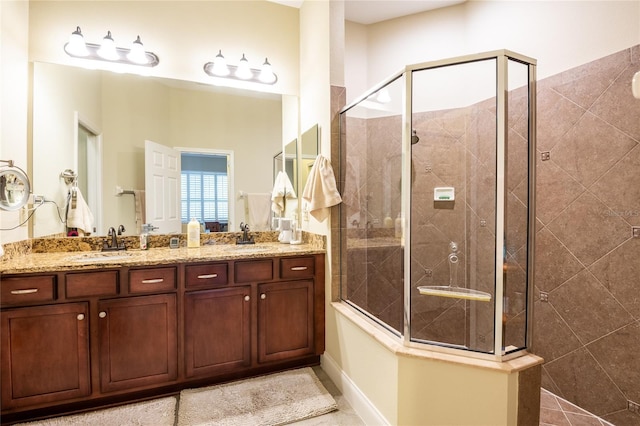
{"x": 437, "y": 220}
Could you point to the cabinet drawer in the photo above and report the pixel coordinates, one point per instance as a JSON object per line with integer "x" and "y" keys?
{"x": 85, "y": 284}
{"x": 297, "y": 267}
{"x": 28, "y": 289}
{"x": 253, "y": 270}
{"x": 212, "y": 274}
{"x": 151, "y": 280}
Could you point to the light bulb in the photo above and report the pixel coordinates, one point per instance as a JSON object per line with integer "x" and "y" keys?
{"x": 76, "y": 45}
{"x": 137, "y": 54}
{"x": 220, "y": 67}
{"x": 108, "y": 48}
{"x": 243, "y": 71}
{"x": 266, "y": 73}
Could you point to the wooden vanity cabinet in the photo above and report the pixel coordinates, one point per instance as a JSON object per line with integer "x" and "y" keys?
{"x": 270, "y": 311}
{"x": 217, "y": 331}
{"x": 138, "y": 341}
{"x": 45, "y": 354}
{"x": 285, "y": 320}
{"x": 92, "y": 337}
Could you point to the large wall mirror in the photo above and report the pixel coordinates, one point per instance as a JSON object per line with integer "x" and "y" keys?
{"x": 96, "y": 123}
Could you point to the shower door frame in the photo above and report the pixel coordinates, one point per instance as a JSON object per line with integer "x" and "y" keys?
{"x": 502, "y": 58}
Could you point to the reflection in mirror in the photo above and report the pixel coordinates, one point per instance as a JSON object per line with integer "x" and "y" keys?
{"x": 309, "y": 152}
{"x": 122, "y": 111}
{"x": 278, "y": 165}
{"x": 14, "y": 187}
{"x": 291, "y": 163}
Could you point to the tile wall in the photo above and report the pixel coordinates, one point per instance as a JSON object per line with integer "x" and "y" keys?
{"x": 587, "y": 263}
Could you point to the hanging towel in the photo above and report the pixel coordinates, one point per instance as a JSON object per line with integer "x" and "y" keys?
{"x": 78, "y": 214}
{"x": 138, "y": 195}
{"x": 259, "y": 207}
{"x": 320, "y": 191}
{"x": 282, "y": 190}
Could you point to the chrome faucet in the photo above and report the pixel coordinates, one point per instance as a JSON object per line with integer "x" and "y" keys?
{"x": 112, "y": 244}
{"x": 245, "y": 239}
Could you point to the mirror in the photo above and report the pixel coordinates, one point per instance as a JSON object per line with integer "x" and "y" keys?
{"x": 309, "y": 152}
{"x": 122, "y": 111}
{"x": 14, "y": 188}
{"x": 290, "y": 163}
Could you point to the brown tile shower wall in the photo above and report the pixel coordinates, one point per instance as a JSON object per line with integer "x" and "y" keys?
{"x": 587, "y": 263}
{"x": 456, "y": 148}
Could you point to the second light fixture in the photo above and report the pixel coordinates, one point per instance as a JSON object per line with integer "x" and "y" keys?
{"x": 243, "y": 71}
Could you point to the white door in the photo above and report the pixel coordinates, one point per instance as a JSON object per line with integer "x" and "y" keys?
{"x": 162, "y": 187}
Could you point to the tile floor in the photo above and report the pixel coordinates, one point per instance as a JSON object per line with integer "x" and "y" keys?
{"x": 554, "y": 411}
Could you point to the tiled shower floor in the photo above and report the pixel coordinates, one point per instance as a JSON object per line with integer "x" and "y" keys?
{"x": 555, "y": 411}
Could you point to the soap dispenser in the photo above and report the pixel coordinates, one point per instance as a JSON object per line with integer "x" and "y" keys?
{"x": 193, "y": 233}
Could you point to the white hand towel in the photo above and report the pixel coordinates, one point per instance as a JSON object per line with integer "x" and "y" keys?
{"x": 320, "y": 191}
{"x": 259, "y": 206}
{"x": 282, "y": 189}
{"x": 80, "y": 217}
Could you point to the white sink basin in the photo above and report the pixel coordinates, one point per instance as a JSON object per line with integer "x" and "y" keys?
{"x": 100, "y": 256}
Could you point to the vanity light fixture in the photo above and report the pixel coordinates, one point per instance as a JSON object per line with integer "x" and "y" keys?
{"x": 108, "y": 51}
{"x": 243, "y": 71}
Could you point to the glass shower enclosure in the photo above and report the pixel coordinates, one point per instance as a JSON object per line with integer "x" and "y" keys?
{"x": 437, "y": 220}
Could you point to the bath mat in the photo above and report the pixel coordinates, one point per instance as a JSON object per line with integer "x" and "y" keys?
{"x": 157, "y": 412}
{"x": 275, "y": 399}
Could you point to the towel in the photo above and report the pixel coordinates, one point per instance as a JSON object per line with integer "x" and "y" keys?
{"x": 282, "y": 190}
{"x": 79, "y": 215}
{"x": 138, "y": 195}
{"x": 259, "y": 211}
{"x": 320, "y": 191}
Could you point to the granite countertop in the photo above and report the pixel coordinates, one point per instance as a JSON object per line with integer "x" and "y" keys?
{"x": 87, "y": 260}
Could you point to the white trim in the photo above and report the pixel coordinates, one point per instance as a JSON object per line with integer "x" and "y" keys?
{"x": 354, "y": 396}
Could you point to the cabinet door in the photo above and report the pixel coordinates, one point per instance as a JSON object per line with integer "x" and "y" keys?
{"x": 217, "y": 330}
{"x": 138, "y": 342}
{"x": 45, "y": 354}
{"x": 285, "y": 320}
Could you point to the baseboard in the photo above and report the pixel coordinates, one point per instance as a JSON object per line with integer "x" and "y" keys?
{"x": 358, "y": 400}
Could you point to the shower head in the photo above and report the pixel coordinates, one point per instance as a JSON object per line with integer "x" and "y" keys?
{"x": 414, "y": 138}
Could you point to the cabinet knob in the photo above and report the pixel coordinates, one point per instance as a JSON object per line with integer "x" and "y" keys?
{"x": 80, "y": 317}
{"x": 102, "y": 314}
{"x": 263, "y": 296}
{"x": 247, "y": 298}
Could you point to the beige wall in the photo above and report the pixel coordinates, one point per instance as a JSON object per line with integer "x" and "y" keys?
{"x": 560, "y": 35}
{"x": 14, "y": 85}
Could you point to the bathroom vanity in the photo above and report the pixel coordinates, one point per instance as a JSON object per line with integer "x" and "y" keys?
{"x": 85, "y": 330}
